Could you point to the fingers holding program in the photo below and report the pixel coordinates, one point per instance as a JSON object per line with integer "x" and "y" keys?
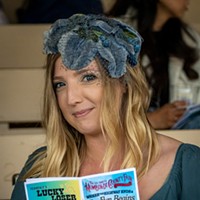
{"x": 167, "y": 115}
{"x": 180, "y": 104}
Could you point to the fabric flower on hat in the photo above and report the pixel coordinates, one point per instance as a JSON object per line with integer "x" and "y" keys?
{"x": 81, "y": 38}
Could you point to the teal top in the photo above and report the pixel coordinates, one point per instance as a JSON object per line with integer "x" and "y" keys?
{"x": 183, "y": 182}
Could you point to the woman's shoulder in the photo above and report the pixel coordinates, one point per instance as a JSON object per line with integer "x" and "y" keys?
{"x": 188, "y": 154}
{"x": 33, "y": 156}
{"x": 185, "y": 156}
{"x": 38, "y": 150}
{"x": 184, "y": 173}
{"x": 18, "y": 191}
{"x": 170, "y": 145}
{"x": 179, "y": 154}
{"x": 32, "y": 159}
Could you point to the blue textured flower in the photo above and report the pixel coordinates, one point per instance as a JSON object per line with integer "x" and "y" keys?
{"x": 81, "y": 38}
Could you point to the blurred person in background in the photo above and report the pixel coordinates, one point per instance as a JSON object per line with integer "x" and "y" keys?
{"x": 3, "y": 17}
{"x": 170, "y": 57}
{"x": 48, "y": 11}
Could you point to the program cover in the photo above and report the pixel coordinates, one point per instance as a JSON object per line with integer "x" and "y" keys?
{"x": 116, "y": 185}
{"x": 53, "y": 189}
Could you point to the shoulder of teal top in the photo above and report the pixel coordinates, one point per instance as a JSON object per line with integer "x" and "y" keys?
{"x": 183, "y": 181}
{"x": 18, "y": 191}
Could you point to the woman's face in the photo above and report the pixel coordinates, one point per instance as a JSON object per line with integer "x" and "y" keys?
{"x": 174, "y": 8}
{"x": 79, "y": 94}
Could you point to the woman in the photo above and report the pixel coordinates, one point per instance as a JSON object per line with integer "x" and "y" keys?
{"x": 95, "y": 105}
{"x": 170, "y": 56}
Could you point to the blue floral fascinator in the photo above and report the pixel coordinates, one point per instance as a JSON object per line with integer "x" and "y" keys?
{"x": 81, "y": 38}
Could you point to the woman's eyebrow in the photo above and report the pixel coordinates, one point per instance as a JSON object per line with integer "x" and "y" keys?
{"x": 86, "y": 70}
{"x": 57, "y": 77}
{"x": 80, "y": 71}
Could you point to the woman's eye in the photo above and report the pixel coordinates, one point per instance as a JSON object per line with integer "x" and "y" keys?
{"x": 89, "y": 77}
{"x": 58, "y": 85}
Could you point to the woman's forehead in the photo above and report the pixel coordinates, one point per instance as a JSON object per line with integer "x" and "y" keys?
{"x": 93, "y": 65}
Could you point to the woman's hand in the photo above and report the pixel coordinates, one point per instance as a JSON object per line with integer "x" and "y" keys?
{"x": 166, "y": 116}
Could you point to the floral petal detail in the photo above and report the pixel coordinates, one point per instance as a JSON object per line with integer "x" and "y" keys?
{"x": 81, "y": 38}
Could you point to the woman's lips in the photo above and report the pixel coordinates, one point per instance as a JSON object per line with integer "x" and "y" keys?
{"x": 82, "y": 113}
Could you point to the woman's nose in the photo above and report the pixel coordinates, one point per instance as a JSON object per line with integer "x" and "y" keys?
{"x": 74, "y": 94}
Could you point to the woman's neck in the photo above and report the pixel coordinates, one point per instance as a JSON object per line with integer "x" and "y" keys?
{"x": 162, "y": 16}
{"x": 93, "y": 162}
{"x": 95, "y": 150}
{"x": 96, "y": 146}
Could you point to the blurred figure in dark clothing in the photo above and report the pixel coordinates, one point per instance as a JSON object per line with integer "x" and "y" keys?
{"x": 3, "y": 17}
{"x": 47, "y": 11}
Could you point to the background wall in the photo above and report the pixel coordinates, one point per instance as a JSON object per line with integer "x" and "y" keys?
{"x": 192, "y": 15}
{"x": 21, "y": 89}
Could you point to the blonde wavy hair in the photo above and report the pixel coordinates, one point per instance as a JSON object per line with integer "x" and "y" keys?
{"x": 66, "y": 147}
